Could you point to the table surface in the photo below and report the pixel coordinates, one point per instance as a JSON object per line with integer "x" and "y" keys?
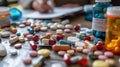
{"x": 54, "y": 58}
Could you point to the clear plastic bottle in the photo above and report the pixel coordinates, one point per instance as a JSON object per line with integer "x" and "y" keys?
{"x": 112, "y": 41}
{"x": 99, "y": 20}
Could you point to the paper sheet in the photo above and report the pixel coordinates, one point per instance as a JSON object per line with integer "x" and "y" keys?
{"x": 58, "y": 12}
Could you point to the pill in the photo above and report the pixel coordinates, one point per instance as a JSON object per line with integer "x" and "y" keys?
{"x": 21, "y": 39}
{"x": 18, "y": 45}
{"x": 64, "y": 22}
{"x": 67, "y": 31}
{"x": 57, "y": 37}
{"x": 32, "y": 25}
{"x": 111, "y": 62}
{"x": 99, "y": 45}
{"x": 29, "y": 37}
{"x": 65, "y": 42}
{"x": 102, "y": 57}
{"x": 49, "y": 24}
{"x": 43, "y": 24}
{"x": 53, "y": 27}
{"x": 59, "y": 31}
{"x": 45, "y": 41}
{"x": 13, "y": 30}
{"x": 13, "y": 40}
{"x": 77, "y": 27}
{"x": 33, "y": 53}
{"x": 70, "y": 52}
{"x": 37, "y": 28}
{"x": 22, "y": 25}
{"x": 79, "y": 44}
{"x": 98, "y": 53}
{"x": 52, "y": 42}
{"x": 5, "y": 34}
{"x": 60, "y": 26}
{"x": 108, "y": 54}
{"x": 86, "y": 51}
{"x": 35, "y": 38}
{"x": 33, "y": 45}
{"x": 3, "y": 51}
{"x": 67, "y": 58}
{"x": 75, "y": 59}
{"x": 61, "y": 53}
{"x": 27, "y": 61}
{"x": 43, "y": 29}
{"x": 68, "y": 26}
{"x": 13, "y": 52}
{"x": 44, "y": 52}
{"x": 13, "y": 35}
{"x": 79, "y": 49}
{"x": 60, "y": 47}
{"x": 87, "y": 38}
{"x": 73, "y": 39}
{"x": 31, "y": 31}
{"x": 25, "y": 34}
{"x": 39, "y": 62}
{"x": 27, "y": 23}
{"x": 18, "y": 34}
{"x": 83, "y": 61}
{"x": 100, "y": 63}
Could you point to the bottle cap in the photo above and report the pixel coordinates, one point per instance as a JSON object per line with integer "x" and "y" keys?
{"x": 113, "y": 11}
{"x": 102, "y": 0}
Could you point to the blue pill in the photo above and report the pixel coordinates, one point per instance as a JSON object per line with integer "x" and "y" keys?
{"x": 65, "y": 42}
{"x": 98, "y": 34}
{"x": 30, "y": 30}
{"x": 15, "y": 14}
{"x": 18, "y": 34}
{"x": 48, "y": 21}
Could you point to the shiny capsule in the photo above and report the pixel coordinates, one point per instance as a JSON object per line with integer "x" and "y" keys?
{"x": 33, "y": 45}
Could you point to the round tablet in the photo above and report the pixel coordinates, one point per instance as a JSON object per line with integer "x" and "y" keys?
{"x": 5, "y": 34}
{"x": 61, "y": 53}
{"x": 68, "y": 26}
{"x": 67, "y": 31}
{"x": 33, "y": 54}
{"x": 100, "y": 63}
{"x": 13, "y": 52}
{"x": 22, "y": 25}
{"x": 108, "y": 54}
{"x": 27, "y": 61}
{"x": 60, "y": 26}
{"x": 73, "y": 39}
{"x": 86, "y": 51}
{"x": 18, "y": 46}
{"x": 98, "y": 52}
{"x": 53, "y": 27}
{"x": 43, "y": 28}
{"x": 102, "y": 57}
{"x": 44, "y": 52}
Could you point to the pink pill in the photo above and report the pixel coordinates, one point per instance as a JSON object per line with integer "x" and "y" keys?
{"x": 33, "y": 53}
{"x": 98, "y": 52}
{"x": 27, "y": 61}
{"x": 25, "y": 34}
{"x": 102, "y": 57}
{"x": 86, "y": 51}
{"x": 108, "y": 54}
{"x": 61, "y": 53}
{"x": 67, "y": 31}
{"x": 18, "y": 46}
{"x": 30, "y": 37}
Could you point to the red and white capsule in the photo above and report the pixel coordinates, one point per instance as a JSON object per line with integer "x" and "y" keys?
{"x": 48, "y": 42}
{"x": 33, "y": 45}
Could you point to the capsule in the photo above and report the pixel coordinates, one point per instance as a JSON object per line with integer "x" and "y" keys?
{"x": 35, "y": 38}
{"x": 13, "y": 40}
{"x": 75, "y": 59}
{"x": 57, "y": 37}
{"x": 65, "y": 42}
{"x": 39, "y": 62}
{"x": 33, "y": 45}
{"x": 67, "y": 58}
{"x": 60, "y": 47}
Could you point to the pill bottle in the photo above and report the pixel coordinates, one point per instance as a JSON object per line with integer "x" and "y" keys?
{"x": 112, "y": 41}
{"x": 88, "y": 12}
{"x": 99, "y": 20}
{"x": 4, "y": 17}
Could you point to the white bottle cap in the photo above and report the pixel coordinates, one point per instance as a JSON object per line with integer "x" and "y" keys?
{"x": 4, "y": 10}
{"x": 113, "y": 11}
{"x": 102, "y": 0}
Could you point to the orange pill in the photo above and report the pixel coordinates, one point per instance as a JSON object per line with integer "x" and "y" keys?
{"x": 60, "y": 47}
{"x": 13, "y": 30}
{"x": 117, "y": 50}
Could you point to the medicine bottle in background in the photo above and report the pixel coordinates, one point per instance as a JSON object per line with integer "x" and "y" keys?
{"x": 88, "y": 12}
{"x": 99, "y": 20}
{"x": 112, "y": 41}
{"x": 4, "y": 17}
